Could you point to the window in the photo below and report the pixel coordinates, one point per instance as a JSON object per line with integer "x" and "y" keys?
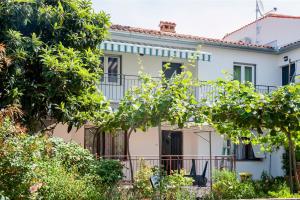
{"x": 243, "y": 73}
{"x": 288, "y": 74}
{"x": 105, "y": 144}
{"x": 174, "y": 68}
{"x": 111, "y": 66}
{"x": 245, "y": 151}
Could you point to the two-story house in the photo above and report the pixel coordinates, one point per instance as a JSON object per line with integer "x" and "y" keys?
{"x": 265, "y": 64}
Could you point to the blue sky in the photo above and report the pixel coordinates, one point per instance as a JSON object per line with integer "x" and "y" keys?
{"x": 209, "y": 18}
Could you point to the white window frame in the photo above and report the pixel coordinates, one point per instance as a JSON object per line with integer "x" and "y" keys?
{"x": 243, "y": 66}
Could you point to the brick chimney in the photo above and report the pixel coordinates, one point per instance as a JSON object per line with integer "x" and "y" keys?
{"x": 167, "y": 27}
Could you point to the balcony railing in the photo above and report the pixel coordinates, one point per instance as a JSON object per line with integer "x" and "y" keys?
{"x": 177, "y": 162}
{"x": 114, "y": 86}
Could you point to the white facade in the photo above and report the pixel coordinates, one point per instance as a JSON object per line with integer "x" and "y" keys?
{"x": 275, "y": 30}
{"x": 267, "y": 69}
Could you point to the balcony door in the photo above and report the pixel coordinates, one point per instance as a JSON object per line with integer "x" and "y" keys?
{"x": 174, "y": 68}
{"x": 172, "y": 150}
{"x": 288, "y": 73}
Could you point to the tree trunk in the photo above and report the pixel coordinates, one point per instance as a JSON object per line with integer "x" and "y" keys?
{"x": 129, "y": 155}
{"x": 159, "y": 145}
{"x": 290, "y": 164}
{"x": 295, "y": 167}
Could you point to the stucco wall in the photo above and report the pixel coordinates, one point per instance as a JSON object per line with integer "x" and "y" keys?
{"x": 267, "y": 70}
{"x": 194, "y": 144}
{"x": 281, "y": 29}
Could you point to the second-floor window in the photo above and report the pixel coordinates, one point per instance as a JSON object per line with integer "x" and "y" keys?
{"x": 111, "y": 66}
{"x": 243, "y": 73}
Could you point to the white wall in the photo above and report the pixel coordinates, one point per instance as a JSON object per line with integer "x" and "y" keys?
{"x": 267, "y": 70}
{"x": 283, "y": 30}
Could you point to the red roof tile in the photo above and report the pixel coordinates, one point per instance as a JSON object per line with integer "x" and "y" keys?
{"x": 152, "y": 32}
{"x": 273, "y": 15}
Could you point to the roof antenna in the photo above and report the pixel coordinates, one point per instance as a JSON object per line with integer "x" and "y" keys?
{"x": 259, "y": 13}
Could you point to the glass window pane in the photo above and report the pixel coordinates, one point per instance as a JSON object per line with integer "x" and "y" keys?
{"x": 237, "y": 73}
{"x": 248, "y": 74}
{"x": 113, "y": 69}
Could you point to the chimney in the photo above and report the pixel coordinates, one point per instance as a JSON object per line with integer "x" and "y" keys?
{"x": 167, "y": 27}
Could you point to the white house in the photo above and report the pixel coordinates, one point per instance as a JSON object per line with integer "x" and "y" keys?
{"x": 129, "y": 48}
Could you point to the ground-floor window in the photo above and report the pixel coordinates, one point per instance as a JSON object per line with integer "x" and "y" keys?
{"x": 104, "y": 143}
{"x": 244, "y": 151}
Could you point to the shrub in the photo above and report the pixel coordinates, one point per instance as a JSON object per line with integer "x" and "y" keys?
{"x": 29, "y": 164}
{"x": 109, "y": 171}
{"x": 58, "y": 183}
{"x": 73, "y": 156}
{"x": 142, "y": 185}
{"x": 172, "y": 186}
{"x": 175, "y": 185}
{"x": 19, "y": 158}
{"x": 227, "y": 186}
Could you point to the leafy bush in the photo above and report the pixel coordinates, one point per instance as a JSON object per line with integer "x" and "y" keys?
{"x": 142, "y": 183}
{"x": 72, "y": 156}
{"x": 227, "y": 186}
{"x": 36, "y": 166}
{"x": 172, "y": 186}
{"x": 109, "y": 171}
{"x": 58, "y": 183}
{"x": 19, "y": 158}
{"x": 175, "y": 185}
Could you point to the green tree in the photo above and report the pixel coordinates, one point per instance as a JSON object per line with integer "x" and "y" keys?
{"x": 270, "y": 119}
{"x": 55, "y": 65}
{"x": 153, "y": 102}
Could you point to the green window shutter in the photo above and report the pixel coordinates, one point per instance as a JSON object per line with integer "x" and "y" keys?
{"x": 237, "y": 73}
{"x": 248, "y": 74}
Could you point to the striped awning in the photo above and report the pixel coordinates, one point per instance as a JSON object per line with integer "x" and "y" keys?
{"x": 154, "y": 50}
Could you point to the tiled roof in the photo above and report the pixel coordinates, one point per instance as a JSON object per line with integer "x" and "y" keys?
{"x": 292, "y": 44}
{"x": 158, "y": 33}
{"x": 273, "y": 15}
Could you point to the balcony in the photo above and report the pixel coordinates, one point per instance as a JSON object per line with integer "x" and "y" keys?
{"x": 177, "y": 162}
{"x": 114, "y": 86}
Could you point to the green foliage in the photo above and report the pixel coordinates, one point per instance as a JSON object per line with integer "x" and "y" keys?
{"x": 55, "y": 65}
{"x": 157, "y": 100}
{"x": 172, "y": 186}
{"x": 109, "y": 171}
{"x": 227, "y": 186}
{"x": 58, "y": 183}
{"x": 72, "y": 156}
{"x": 36, "y": 166}
{"x": 240, "y": 111}
{"x": 142, "y": 184}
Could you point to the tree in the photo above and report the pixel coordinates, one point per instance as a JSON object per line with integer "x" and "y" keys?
{"x": 55, "y": 65}
{"x": 153, "y": 102}
{"x": 239, "y": 111}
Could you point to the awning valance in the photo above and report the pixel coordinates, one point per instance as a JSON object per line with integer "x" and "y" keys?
{"x": 154, "y": 50}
